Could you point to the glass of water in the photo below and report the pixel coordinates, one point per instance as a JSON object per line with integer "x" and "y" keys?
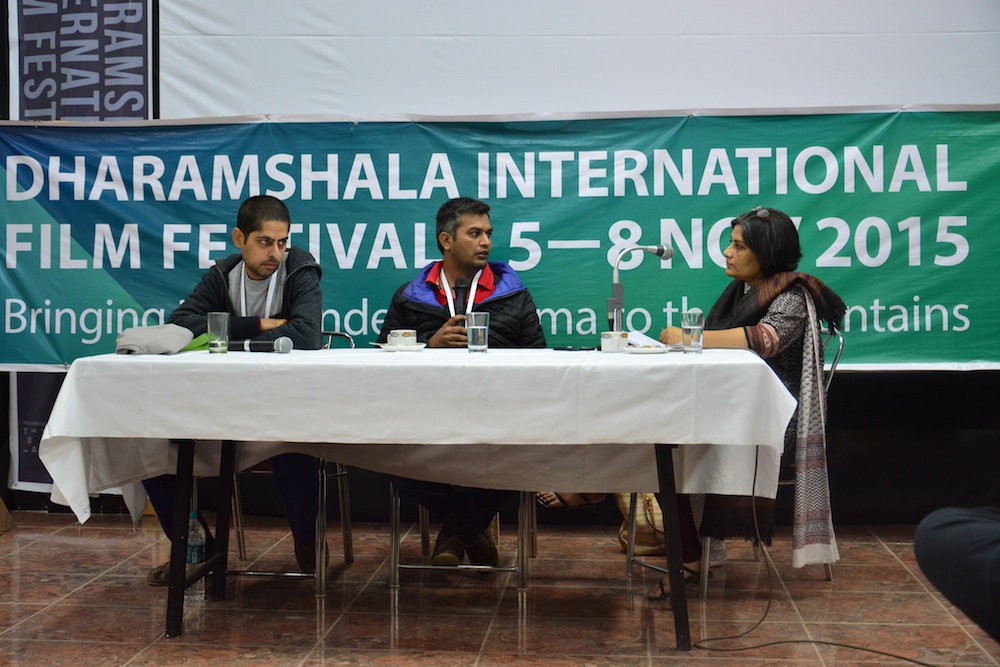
{"x": 477, "y": 327}
{"x": 218, "y": 332}
{"x": 692, "y": 328}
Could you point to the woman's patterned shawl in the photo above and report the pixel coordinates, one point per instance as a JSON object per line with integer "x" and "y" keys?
{"x": 801, "y": 368}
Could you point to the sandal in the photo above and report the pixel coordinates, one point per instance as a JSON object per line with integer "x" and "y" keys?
{"x": 159, "y": 576}
{"x": 570, "y": 500}
{"x": 659, "y": 592}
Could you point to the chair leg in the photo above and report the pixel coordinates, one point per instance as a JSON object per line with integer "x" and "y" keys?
{"x": 630, "y": 549}
{"x": 532, "y": 519}
{"x": 525, "y": 515}
{"x": 345, "y": 512}
{"x": 393, "y": 536}
{"x": 321, "y": 546}
{"x": 425, "y": 530}
{"x": 706, "y": 549}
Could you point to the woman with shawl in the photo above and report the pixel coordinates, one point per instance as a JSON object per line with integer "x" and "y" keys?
{"x": 776, "y": 312}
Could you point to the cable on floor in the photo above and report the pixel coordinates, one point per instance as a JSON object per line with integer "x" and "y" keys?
{"x": 772, "y": 571}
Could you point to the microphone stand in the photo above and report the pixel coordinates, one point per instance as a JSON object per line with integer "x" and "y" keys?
{"x": 616, "y": 304}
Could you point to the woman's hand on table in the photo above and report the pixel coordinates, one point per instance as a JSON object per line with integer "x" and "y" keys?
{"x": 670, "y": 336}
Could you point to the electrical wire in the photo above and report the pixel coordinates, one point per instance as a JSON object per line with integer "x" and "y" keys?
{"x": 772, "y": 571}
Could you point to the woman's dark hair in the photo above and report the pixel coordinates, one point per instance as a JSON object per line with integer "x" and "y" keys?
{"x": 773, "y": 238}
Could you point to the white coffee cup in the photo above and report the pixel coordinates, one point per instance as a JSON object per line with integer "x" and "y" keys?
{"x": 614, "y": 341}
{"x": 401, "y": 337}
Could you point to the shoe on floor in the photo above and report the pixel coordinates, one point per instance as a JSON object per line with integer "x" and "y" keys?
{"x": 554, "y": 500}
{"x": 482, "y": 550}
{"x": 305, "y": 556}
{"x": 449, "y": 549}
{"x": 660, "y": 592}
{"x": 159, "y": 576}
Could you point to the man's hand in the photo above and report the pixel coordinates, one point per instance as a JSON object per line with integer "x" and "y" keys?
{"x": 268, "y": 323}
{"x": 451, "y": 334}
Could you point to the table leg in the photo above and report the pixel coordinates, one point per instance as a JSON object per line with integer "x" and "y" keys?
{"x": 183, "y": 484}
{"x": 672, "y": 536}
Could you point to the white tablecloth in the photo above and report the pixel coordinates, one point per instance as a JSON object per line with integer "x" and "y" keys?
{"x": 512, "y": 419}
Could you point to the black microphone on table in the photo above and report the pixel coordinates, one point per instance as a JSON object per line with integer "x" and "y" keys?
{"x": 461, "y": 294}
{"x": 281, "y": 345}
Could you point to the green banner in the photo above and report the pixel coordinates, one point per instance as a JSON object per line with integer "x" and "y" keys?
{"x": 103, "y": 227}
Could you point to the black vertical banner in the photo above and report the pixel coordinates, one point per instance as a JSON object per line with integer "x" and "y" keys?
{"x": 5, "y": 93}
{"x": 82, "y": 60}
{"x": 36, "y": 394}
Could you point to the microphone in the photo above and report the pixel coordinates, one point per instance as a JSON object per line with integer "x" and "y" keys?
{"x": 616, "y": 304}
{"x": 662, "y": 251}
{"x": 461, "y": 294}
{"x": 281, "y": 345}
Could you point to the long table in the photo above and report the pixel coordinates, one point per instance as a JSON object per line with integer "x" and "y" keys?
{"x": 509, "y": 419}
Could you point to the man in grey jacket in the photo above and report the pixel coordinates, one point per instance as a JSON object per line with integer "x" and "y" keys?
{"x": 270, "y": 290}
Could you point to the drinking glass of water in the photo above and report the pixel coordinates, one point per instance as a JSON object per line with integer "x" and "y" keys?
{"x": 477, "y": 327}
{"x": 218, "y": 332}
{"x": 692, "y": 327}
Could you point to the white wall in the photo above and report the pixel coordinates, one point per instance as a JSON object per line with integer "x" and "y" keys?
{"x": 453, "y": 57}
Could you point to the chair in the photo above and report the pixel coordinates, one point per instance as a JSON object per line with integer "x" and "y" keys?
{"x": 324, "y": 473}
{"x": 330, "y": 336}
{"x": 423, "y": 518}
{"x": 524, "y": 513}
{"x": 828, "y": 335}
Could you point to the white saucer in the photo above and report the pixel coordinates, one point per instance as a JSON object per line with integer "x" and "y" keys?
{"x": 648, "y": 350}
{"x": 401, "y": 348}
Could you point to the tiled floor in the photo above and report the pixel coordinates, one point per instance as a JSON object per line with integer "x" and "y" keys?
{"x": 76, "y": 595}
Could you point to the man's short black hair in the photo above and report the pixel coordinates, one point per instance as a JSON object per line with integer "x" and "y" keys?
{"x": 255, "y": 210}
{"x": 451, "y": 212}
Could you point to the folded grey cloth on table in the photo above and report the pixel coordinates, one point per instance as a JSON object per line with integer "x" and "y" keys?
{"x": 161, "y": 339}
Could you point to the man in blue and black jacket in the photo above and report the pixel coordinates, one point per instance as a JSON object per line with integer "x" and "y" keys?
{"x": 428, "y": 305}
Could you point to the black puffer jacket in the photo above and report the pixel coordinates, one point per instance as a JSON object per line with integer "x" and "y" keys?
{"x": 513, "y": 315}
{"x": 302, "y": 303}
